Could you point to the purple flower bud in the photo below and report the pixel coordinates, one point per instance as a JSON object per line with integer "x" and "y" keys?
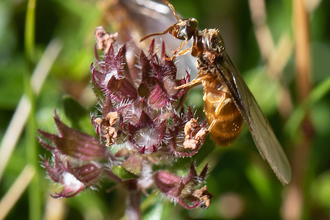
{"x": 73, "y": 143}
{"x": 184, "y": 190}
{"x": 73, "y": 179}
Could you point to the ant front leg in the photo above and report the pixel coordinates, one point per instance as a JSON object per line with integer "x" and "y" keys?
{"x": 179, "y": 48}
{"x": 194, "y": 82}
{"x": 182, "y": 52}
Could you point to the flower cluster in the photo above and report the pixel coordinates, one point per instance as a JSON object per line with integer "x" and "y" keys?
{"x": 141, "y": 123}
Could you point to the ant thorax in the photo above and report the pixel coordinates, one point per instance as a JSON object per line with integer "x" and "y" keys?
{"x": 208, "y": 45}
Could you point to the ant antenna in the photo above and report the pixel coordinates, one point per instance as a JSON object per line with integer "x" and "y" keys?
{"x": 168, "y": 29}
{"x": 155, "y": 34}
{"x": 172, "y": 9}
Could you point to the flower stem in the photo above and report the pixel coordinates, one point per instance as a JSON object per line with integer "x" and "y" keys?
{"x": 294, "y": 205}
{"x": 133, "y": 201}
{"x": 31, "y": 145}
{"x": 29, "y": 36}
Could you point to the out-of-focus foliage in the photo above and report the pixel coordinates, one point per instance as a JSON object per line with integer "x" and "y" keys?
{"x": 243, "y": 185}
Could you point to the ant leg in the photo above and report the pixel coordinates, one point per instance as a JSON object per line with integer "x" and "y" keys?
{"x": 192, "y": 83}
{"x": 179, "y": 48}
{"x": 182, "y": 52}
{"x": 211, "y": 125}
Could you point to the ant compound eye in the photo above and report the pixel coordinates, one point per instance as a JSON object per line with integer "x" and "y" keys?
{"x": 183, "y": 34}
{"x": 191, "y": 26}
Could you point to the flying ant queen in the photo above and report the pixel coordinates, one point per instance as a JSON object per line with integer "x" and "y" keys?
{"x": 228, "y": 102}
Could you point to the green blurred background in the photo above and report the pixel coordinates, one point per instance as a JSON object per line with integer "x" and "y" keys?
{"x": 263, "y": 48}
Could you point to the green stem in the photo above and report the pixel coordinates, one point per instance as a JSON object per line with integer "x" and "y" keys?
{"x": 297, "y": 117}
{"x": 31, "y": 144}
{"x": 32, "y": 157}
{"x": 133, "y": 201}
{"x": 30, "y": 30}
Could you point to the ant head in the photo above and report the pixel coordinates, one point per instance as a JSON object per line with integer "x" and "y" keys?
{"x": 184, "y": 29}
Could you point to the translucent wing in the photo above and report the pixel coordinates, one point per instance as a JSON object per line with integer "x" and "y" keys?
{"x": 262, "y": 133}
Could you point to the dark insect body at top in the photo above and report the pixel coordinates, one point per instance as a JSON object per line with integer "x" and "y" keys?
{"x": 228, "y": 102}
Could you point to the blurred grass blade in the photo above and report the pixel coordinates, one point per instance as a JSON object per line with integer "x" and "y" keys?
{"x": 16, "y": 190}
{"x": 150, "y": 201}
{"x": 260, "y": 183}
{"x": 155, "y": 213}
{"x": 297, "y": 117}
{"x": 30, "y": 30}
{"x": 74, "y": 111}
{"x": 22, "y": 111}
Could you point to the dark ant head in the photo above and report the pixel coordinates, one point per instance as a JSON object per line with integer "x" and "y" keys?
{"x": 183, "y": 29}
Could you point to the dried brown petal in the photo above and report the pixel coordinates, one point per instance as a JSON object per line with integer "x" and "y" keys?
{"x": 104, "y": 39}
{"x": 204, "y": 196}
{"x": 108, "y": 127}
{"x": 194, "y": 134}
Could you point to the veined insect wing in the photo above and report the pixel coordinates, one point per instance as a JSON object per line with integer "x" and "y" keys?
{"x": 261, "y": 131}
